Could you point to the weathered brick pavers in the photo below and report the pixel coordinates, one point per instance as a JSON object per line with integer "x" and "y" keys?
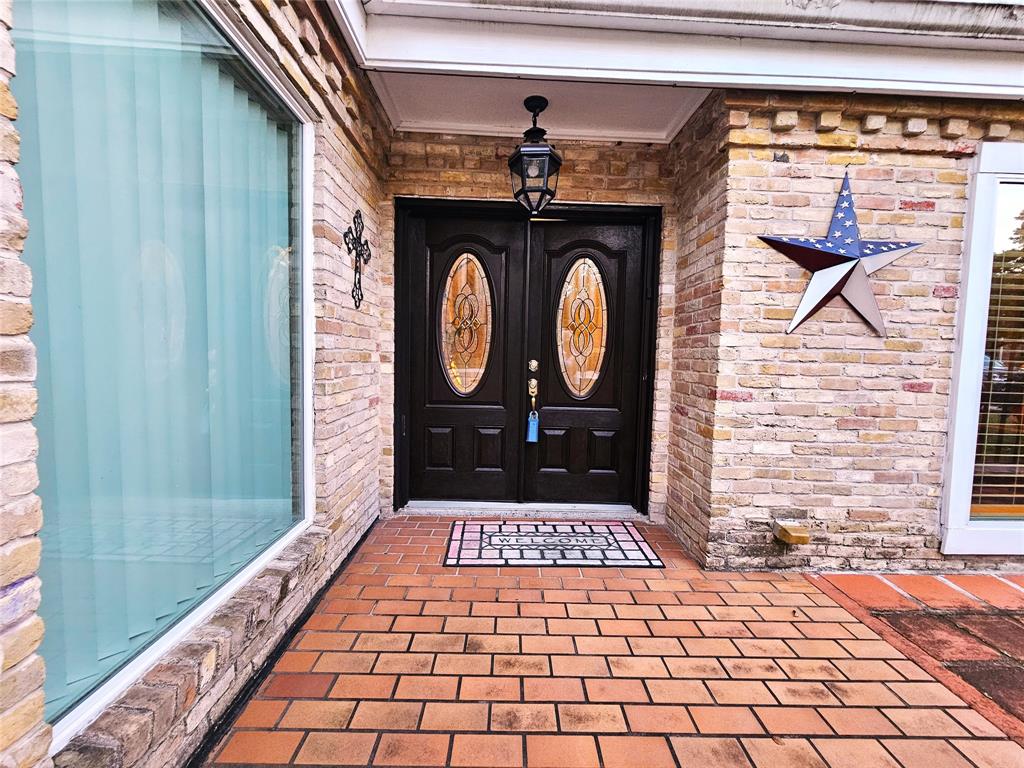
{"x": 408, "y": 662}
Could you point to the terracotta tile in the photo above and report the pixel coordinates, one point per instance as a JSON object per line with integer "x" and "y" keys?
{"x": 864, "y": 694}
{"x": 542, "y": 644}
{"x": 572, "y": 627}
{"x": 326, "y": 641}
{"x": 552, "y": 689}
{"x": 679, "y": 692}
{"x": 462, "y": 664}
{"x": 725, "y": 720}
{"x": 1001, "y": 632}
{"x": 521, "y": 665}
{"x": 523, "y": 717}
{"x": 412, "y": 749}
{"x": 404, "y": 663}
{"x": 925, "y": 753}
{"x": 753, "y": 669}
{"x": 313, "y": 715}
{"x": 924, "y": 722}
{"x": 802, "y": 693}
{"x": 933, "y": 592}
{"x": 386, "y": 715}
{"x": 426, "y": 687}
{"x": 973, "y": 722}
{"x": 992, "y": 754}
{"x": 296, "y": 661}
{"x": 492, "y": 644}
{"x": 260, "y": 714}
{"x": 444, "y": 642}
{"x": 871, "y": 592}
{"x": 428, "y": 624}
{"x": 637, "y": 666}
{"x": 486, "y": 751}
{"x": 632, "y": 751}
{"x": 469, "y": 624}
{"x": 450, "y": 716}
{"x": 337, "y": 749}
{"x": 364, "y": 687}
{"x": 345, "y": 662}
{"x": 992, "y": 590}
{"x": 818, "y": 649}
{"x": 561, "y": 752}
{"x": 673, "y": 628}
{"x": 489, "y": 689}
{"x": 854, "y": 753}
{"x": 645, "y": 718}
{"x": 709, "y": 753}
{"x": 653, "y": 646}
{"x": 866, "y": 669}
{"x": 602, "y": 646}
{"x": 783, "y": 753}
{"x": 298, "y": 686}
{"x": 926, "y": 695}
{"x": 762, "y": 648}
{"x": 591, "y": 718}
{"x": 579, "y": 666}
{"x": 791, "y": 721}
{"x": 382, "y": 641}
{"x": 858, "y": 721}
{"x": 602, "y": 689}
{"x": 695, "y": 668}
{"x": 260, "y": 747}
{"x": 740, "y": 692}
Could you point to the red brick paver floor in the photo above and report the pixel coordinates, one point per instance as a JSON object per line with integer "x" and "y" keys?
{"x": 409, "y": 663}
{"x": 970, "y": 625}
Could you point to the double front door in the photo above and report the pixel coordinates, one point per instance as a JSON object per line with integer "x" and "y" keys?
{"x": 510, "y": 318}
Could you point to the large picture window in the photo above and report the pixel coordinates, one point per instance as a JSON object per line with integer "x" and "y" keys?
{"x": 160, "y": 186}
{"x": 984, "y": 503}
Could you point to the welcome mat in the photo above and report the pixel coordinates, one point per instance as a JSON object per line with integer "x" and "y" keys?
{"x": 605, "y": 543}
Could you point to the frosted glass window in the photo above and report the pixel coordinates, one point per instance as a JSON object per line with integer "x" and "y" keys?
{"x": 159, "y": 187}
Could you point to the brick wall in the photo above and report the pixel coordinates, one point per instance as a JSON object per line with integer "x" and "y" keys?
{"x": 700, "y": 166}
{"x": 24, "y": 738}
{"x": 476, "y": 167}
{"x": 833, "y": 424}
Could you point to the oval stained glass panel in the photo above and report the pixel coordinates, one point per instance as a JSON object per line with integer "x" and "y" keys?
{"x": 582, "y": 327}
{"x": 465, "y": 324}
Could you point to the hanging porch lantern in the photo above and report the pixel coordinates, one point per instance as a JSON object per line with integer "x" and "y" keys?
{"x": 535, "y": 164}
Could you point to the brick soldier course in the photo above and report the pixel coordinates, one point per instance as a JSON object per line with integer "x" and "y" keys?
{"x": 834, "y": 426}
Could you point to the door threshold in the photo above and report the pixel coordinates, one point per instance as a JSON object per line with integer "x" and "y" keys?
{"x": 525, "y": 510}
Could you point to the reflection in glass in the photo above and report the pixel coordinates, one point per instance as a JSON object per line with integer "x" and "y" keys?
{"x": 582, "y": 323}
{"x": 158, "y": 191}
{"x": 465, "y": 324}
{"x": 998, "y": 490}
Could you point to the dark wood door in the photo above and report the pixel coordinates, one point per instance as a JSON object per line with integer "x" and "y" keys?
{"x": 495, "y": 300}
{"x": 585, "y": 330}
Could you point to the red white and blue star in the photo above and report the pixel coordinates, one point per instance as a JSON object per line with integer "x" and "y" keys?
{"x": 840, "y": 264}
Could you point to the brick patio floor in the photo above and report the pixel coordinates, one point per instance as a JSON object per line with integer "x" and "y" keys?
{"x": 409, "y": 663}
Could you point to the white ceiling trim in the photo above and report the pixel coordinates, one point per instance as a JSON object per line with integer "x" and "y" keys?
{"x": 661, "y": 132}
{"x": 432, "y": 45}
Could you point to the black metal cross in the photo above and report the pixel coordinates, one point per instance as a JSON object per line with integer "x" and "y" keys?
{"x": 355, "y": 242}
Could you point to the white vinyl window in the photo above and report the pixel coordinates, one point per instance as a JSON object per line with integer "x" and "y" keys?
{"x": 984, "y": 500}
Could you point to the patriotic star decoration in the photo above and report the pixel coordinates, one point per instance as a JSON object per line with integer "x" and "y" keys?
{"x": 840, "y": 264}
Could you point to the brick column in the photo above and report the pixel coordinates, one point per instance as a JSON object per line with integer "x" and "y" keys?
{"x": 24, "y": 738}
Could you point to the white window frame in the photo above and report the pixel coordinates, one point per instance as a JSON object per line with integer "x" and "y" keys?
{"x": 996, "y": 163}
{"x": 92, "y": 706}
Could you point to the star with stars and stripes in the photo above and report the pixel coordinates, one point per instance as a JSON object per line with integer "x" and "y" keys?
{"x": 840, "y": 264}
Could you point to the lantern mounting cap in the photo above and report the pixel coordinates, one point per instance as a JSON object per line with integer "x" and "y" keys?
{"x": 535, "y": 105}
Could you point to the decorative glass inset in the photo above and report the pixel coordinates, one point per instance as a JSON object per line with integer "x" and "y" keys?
{"x": 465, "y": 321}
{"x": 582, "y": 323}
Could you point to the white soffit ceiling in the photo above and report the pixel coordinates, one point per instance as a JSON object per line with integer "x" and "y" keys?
{"x": 493, "y": 106}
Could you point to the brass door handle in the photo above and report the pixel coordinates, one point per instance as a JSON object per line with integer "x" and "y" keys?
{"x": 531, "y": 389}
